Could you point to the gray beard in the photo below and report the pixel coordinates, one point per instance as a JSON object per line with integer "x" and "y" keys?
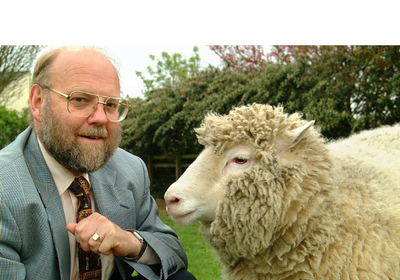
{"x": 76, "y": 158}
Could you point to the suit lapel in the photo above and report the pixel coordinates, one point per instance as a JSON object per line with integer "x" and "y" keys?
{"x": 102, "y": 184}
{"x": 110, "y": 197}
{"x": 51, "y": 201}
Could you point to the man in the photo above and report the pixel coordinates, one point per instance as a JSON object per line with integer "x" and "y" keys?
{"x": 68, "y": 194}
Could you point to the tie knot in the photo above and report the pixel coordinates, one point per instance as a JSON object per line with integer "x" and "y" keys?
{"x": 80, "y": 187}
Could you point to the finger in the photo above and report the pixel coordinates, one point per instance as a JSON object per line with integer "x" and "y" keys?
{"x": 86, "y": 228}
{"x": 94, "y": 243}
{"x": 89, "y": 244}
{"x": 108, "y": 241}
{"x": 71, "y": 227}
{"x": 104, "y": 245}
{"x": 96, "y": 237}
{"x": 119, "y": 242}
{"x": 107, "y": 251}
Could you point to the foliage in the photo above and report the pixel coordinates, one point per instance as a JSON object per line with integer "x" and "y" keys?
{"x": 170, "y": 69}
{"x": 329, "y": 101}
{"x": 376, "y": 95}
{"x": 15, "y": 62}
{"x": 12, "y": 123}
{"x": 246, "y": 57}
{"x": 357, "y": 86}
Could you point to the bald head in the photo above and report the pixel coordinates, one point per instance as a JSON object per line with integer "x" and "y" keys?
{"x": 81, "y": 69}
{"x": 42, "y": 73}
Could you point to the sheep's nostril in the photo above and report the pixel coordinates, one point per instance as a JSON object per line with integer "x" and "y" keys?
{"x": 170, "y": 201}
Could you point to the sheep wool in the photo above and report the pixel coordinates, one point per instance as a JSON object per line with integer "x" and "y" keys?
{"x": 308, "y": 208}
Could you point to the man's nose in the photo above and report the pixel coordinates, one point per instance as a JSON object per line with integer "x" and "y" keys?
{"x": 98, "y": 116}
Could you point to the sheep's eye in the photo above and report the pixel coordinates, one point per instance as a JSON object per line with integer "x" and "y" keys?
{"x": 240, "y": 160}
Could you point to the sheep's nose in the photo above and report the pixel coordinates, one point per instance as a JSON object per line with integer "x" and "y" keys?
{"x": 171, "y": 201}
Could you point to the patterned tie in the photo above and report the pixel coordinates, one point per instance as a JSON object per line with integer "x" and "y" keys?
{"x": 89, "y": 262}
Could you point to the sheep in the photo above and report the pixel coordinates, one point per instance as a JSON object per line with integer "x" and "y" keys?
{"x": 278, "y": 201}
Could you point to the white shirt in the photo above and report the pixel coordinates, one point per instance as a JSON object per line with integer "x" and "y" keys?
{"x": 63, "y": 179}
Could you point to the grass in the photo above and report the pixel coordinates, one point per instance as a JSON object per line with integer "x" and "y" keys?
{"x": 202, "y": 260}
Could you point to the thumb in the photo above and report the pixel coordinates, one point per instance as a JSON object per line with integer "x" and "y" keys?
{"x": 71, "y": 227}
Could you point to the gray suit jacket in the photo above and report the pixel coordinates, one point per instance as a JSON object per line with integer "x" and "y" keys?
{"x": 33, "y": 238}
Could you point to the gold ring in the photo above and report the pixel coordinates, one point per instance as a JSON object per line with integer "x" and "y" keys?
{"x": 96, "y": 237}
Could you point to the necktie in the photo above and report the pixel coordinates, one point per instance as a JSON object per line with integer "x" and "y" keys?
{"x": 89, "y": 262}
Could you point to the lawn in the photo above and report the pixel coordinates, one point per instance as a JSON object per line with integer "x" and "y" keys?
{"x": 202, "y": 259}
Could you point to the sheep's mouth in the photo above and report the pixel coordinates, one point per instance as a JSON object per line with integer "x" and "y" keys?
{"x": 183, "y": 216}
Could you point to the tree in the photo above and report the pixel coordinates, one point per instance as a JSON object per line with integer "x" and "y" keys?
{"x": 170, "y": 69}
{"x": 246, "y": 57}
{"x": 15, "y": 62}
{"x": 329, "y": 101}
{"x": 143, "y": 128}
{"x": 363, "y": 80}
{"x": 357, "y": 86}
{"x": 376, "y": 99}
{"x": 12, "y": 123}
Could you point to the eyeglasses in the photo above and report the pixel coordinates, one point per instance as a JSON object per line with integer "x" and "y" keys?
{"x": 83, "y": 104}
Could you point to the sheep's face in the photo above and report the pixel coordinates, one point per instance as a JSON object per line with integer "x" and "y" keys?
{"x": 195, "y": 196}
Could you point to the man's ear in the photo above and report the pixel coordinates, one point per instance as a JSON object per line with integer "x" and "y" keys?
{"x": 36, "y": 101}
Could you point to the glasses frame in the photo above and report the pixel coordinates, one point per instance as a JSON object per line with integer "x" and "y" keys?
{"x": 66, "y": 96}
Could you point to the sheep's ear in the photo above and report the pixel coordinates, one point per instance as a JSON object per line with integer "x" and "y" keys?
{"x": 282, "y": 145}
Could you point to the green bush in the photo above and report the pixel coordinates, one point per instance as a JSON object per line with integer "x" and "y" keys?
{"x": 12, "y": 123}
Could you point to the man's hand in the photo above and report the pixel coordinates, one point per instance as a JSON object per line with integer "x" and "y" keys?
{"x": 113, "y": 239}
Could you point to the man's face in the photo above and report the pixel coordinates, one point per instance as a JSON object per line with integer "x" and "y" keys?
{"x": 81, "y": 144}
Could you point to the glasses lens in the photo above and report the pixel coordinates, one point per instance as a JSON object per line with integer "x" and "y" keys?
{"x": 116, "y": 109}
{"x": 82, "y": 104}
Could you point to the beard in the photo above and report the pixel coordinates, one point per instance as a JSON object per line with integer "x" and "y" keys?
{"x": 77, "y": 158}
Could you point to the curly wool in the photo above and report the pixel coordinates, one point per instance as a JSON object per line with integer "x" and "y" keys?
{"x": 256, "y": 125}
{"x": 331, "y": 212}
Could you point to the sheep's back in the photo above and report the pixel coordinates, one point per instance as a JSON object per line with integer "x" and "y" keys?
{"x": 366, "y": 170}
{"x": 371, "y": 160}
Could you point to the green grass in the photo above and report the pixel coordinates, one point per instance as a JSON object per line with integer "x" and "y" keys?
{"x": 202, "y": 260}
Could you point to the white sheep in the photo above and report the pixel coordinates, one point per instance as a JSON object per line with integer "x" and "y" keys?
{"x": 276, "y": 202}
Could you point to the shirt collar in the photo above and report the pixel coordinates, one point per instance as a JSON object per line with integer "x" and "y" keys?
{"x": 62, "y": 177}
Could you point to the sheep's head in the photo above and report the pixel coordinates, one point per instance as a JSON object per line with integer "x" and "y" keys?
{"x": 237, "y": 145}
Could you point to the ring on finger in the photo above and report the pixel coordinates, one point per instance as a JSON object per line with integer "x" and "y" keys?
{"x": 96, "y": 237}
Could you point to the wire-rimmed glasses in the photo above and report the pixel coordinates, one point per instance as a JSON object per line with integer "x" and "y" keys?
{"x": 83, "y": 104}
